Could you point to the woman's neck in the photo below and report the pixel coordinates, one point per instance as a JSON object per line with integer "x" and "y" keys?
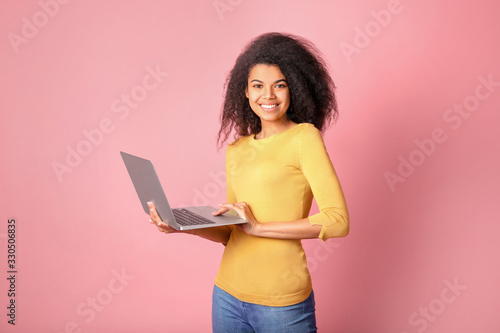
{"x": 271, "y": 128}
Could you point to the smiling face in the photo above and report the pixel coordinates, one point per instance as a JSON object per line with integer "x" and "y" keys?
{"x": 268, "y": 94}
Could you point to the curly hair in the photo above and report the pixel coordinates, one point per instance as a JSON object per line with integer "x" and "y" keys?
{"x": 312, "y": 91}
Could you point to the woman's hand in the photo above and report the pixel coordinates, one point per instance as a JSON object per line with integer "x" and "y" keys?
{"x": 219, "y": 234}
{"x": 243, "y": 210}
{"x": 155, "y": 219}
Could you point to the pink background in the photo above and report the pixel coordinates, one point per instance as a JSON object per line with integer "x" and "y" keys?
{"x": 408, "y": 243}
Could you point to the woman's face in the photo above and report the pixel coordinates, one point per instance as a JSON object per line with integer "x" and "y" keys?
{"x": 268, "y": 93}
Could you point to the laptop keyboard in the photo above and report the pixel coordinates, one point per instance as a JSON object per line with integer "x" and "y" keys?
{"x": 184, "y": 217}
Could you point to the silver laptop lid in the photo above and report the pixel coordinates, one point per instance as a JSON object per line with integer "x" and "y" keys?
{"x": 148, "y": 187}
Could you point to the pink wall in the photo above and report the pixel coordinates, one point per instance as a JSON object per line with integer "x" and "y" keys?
{"x": 416, "y": 148}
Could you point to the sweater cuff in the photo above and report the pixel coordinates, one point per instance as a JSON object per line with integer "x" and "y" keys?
{"x": 317, "y": 219}
{"x": 334, "y": 224}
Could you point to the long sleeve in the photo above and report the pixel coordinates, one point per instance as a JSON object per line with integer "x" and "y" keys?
{"x": 277, "y": 177}
{"x": 325, "y": 186}
{"x": 230, "y": 195}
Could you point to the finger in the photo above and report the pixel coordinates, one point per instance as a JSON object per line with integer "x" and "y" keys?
{"x": 163, "y": 227}
{"x": 154, "y": 215}
{"x": 152, "y": 210}
{"x": 156, "y": 221}
{"x": 221, "y": 210}
{"x": 229, "y": 206}
{"x": 237, "y": 207}
{"x": 243, "y": 227}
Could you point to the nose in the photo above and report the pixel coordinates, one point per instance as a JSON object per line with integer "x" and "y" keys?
{"x": 268, "y": 92}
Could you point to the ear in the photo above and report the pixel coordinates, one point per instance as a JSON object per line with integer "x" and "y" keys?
{"x": 246, "y": 91}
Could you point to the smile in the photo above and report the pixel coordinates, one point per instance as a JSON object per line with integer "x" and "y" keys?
{"x": 268, "y": 107}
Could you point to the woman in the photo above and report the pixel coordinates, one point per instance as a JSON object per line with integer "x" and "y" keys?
{"x": 278, "y": 98}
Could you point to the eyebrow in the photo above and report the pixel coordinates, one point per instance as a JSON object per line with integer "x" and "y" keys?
{"x": 257, "y": 80}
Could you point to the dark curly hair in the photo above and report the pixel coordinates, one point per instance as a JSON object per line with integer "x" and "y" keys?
{"x": 312, "y": 91}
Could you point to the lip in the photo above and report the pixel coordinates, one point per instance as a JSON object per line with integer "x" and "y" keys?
{"x": 269, "y": 109}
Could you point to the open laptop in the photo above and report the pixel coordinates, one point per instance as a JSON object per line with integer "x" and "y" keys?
{"x": 148, "y": 188}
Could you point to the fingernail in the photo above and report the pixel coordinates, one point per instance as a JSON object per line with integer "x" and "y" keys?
{"x": 220, "y": 204}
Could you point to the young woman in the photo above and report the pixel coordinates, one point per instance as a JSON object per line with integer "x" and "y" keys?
{"x": 278, "y": 98}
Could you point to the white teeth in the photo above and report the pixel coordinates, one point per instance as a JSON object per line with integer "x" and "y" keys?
{"x": 268, "y": 106}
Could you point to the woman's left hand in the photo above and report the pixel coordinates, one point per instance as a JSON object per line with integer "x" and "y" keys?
{"x": 244, "y": 212}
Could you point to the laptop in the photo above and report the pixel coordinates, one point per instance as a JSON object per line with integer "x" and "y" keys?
{"x": 148, "y": 188}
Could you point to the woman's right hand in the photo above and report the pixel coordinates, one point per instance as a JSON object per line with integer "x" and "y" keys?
{"x": 155, "y": 219}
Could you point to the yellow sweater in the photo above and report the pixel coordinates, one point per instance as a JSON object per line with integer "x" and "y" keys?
{"x": 278, "y": 177}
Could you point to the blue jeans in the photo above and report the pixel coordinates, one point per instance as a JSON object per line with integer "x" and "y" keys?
{"x": 231, "y": 315}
